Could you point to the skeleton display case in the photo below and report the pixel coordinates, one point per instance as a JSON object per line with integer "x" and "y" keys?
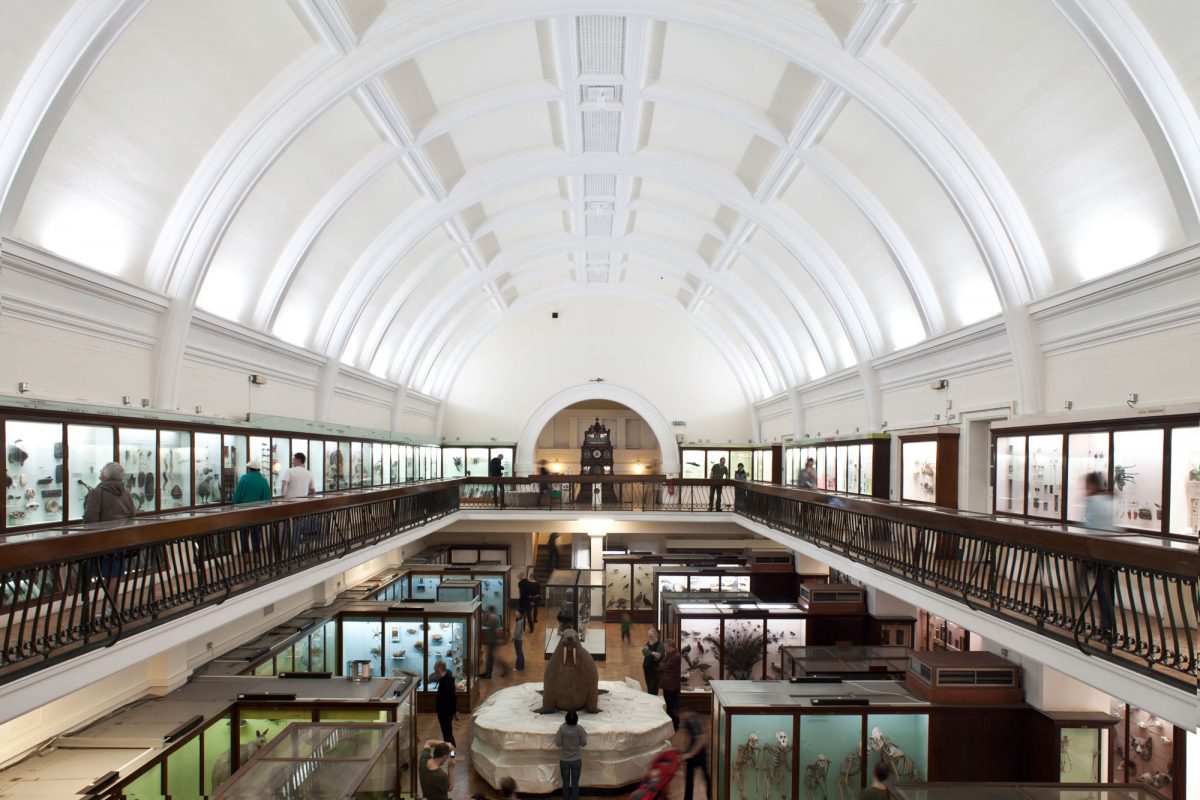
{"x": 400, "y": 641}
{"x": 575, "y": 599}
{"x": 778, "y": 739}
{"x": 1082, "y": 743}
{"x": 1019, "y": 791}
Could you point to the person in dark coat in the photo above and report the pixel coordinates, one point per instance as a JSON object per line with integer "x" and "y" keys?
{"x": 446, "y": 704}
{"x": 525, "y": 591}
{"x": 496, "y": 470}
{"x": 669, "y": 679}
{"x": 108, "y": 501}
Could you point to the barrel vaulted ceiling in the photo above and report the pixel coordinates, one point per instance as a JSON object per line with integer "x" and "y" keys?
{"x": 810, "y": 184}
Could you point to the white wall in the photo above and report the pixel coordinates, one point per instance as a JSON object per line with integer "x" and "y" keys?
{"x": 531, "y": 357}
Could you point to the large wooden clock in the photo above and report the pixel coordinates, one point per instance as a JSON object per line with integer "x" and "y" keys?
{"x": 596, "y": 458}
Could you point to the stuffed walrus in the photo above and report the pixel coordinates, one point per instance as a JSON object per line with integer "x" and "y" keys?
{"x": 571, "y": 682}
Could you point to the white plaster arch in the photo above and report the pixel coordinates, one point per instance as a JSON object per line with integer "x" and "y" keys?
{"x": 527, "y": 444}
{"x": 42, "y": 98}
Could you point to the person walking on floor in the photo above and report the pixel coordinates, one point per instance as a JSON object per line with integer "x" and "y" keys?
{"x": 525, "y": 589}
{"x": 652, "y": 653}
{"x": 518, "y": 640}
{"x": 552, "y": 543}
{"x": 446, "y": 704}
{"x": 491, "y": 629}
{"x": 570, "y": 739}
{"x": 626, "y": 628}
{"x": 435, "y": 770}
{"x": 696, "y": 754}
{"x": 1098, "y": 515}
{"x": 668, "y": 680}
{"x": 719, "y": 472}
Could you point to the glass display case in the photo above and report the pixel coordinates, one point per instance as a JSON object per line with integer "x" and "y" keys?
{"x": 929, "y": 468}
{"x": 406, "y": 642}
{"x": 175, "y": 469}
{"x": 91, "y": 447}
{"x": 733, "y": 640}
{"x": 758, "y": 460}
{"x": 1020, "y": 791}
{"x": 1144, "y": 749}
{"x": 855, "y": 466}
{"x": 867, "y": 662}
{"x": 574, "y": 598}
{"x": 772, "y": 737}
{"x": 1151, "y": 468}
{"x": 422, "y": 584}
{"x": 34, "y": 472}
{"x": 668, "y": 578}
{"x": 208, "y": 469}
{"x": 137, "y": 453}
{"x": 457, "y": 590}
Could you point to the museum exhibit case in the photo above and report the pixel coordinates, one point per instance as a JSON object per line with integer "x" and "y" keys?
{"x": 421, "y": 583}
{"x": 1151, "y": 466}
{"x": 574, "y": 598}
{"x": 936, "y": 633}
{"x": 1019, "y": 791}
{"x": 53, "y": 459}
{"x": 457, "y": 590}
{"x": 324, "y": 759}
{"x": 762, "y": 462}
{"x": 472, "y": 460}
{"x": 929, "y": 467}
{"x": 871, "y": 662}
{"x": 237, "y": 719}
{"x": 628, "y": 589}
{"x": 633, "y": 580}
{"x": 1147, "y": 750}
{"x": 1080, "y": 743}
{"x": 737, "y": 640}
{"x": 667, "y": 599}
{"x": 695, "y": 580}
{"x": 861, "y": 464}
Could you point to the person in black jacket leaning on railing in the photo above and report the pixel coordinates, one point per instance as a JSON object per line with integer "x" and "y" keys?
{"x": 719, "y": 472}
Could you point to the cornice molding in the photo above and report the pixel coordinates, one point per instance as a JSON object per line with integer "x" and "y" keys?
{"x": 51, "y": 268}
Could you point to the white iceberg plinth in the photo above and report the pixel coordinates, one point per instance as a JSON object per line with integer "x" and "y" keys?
{"x": 511, "y": 739}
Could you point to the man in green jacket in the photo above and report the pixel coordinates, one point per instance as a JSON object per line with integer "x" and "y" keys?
{"x": 252, "y": 488}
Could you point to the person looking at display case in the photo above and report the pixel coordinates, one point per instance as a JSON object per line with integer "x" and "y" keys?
{"x": 518, "y": 641}
{"x": 298, "y": 481}
{"x": 652, "y": 653}
{"x": 496, "y": 470}
{"x": 1098, "y": 515}
{"x": 107, "y": 501}
{"x": 878, "y": 789}
{"x": 719, "y": 472}
{"x": 668, "y": 670}
{"x": 808, "y": 476}
{"x": 436, "y": 783}
{"x": 446, "y": 704}
{"x": 491, "y": 632}
{"x": 252, "y": 488}
{"x": 570, "y": 739}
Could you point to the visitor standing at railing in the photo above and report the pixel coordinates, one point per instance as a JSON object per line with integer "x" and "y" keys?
{"x": 738, "y": 493}
{"x": 719, "y": 472}
{"x": 808, "y": 476}
{"x": 252, "y": 488}
{"x": 1098, "y": 515}
{"x": 110, "y": 500}
{"x": 496, "y": 470}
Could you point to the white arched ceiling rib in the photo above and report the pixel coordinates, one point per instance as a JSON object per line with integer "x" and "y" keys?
{"x": 1153, "y": 92}
{"x": 448, "y": 368}
{"x": 746, "y": 115}
{"x": 794, "y": 32}
{"x": 464, "y": 111}
{"x": 496, "y": 223}
{"x": 303, "y": 238}
{"x": 904, "y": 256}
{"x": 42, "y": 98}
{"x": 680, "y": 260}
{"x": 502, "y": 174}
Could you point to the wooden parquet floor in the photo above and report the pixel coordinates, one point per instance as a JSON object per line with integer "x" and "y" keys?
{"x": 623, "y": 660}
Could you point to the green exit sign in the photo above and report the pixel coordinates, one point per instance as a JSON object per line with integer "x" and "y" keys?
{"x": 678, "y": 423}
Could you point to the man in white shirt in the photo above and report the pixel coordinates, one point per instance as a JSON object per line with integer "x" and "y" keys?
{"x": 298, "y": 481}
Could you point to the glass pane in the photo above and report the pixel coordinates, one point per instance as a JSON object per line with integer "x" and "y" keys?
{"x": 403, "y": 651}
{"x": 822, "y": 479}
{"x": 148, "y": 786}
{"x": 208, "y": 468}
{"x": 698, "y": 639}
{"x": 1045, "y": 476}
{"x": 345, "y": 465}
{"x": 741, "y": 651}
{"x": 743, "y": 457}
{"x": 316, "y": 463}
{"x": 91, "y": 447}
{"x": 903, "y": 739}
{"x": 424, "y": 587}
{"x": 356, "y": 462}
{"x": 333, "y": 463}
{"x": 397, "y": 471}
{"x": 831, "y": 746}
{"x": 1185, "y": 481}
{"x": 137, "y": 453}
{"x": 852, "y": 469}
{"x": 281, "y": 461}
{"x": 300, "y": 650}
{"x": 713, "y": 458}
{"x": 693, "y": 464}
{"x": 362, "y": 639}
{"x": 919, "y": 471}
{"x": 216, "y": 747}
{"x": 492, "y": 587}
{"x": 448, "y": 642}
{"x": 866, "y": 467}
{"x": 175, "y": 465}
{"x": 233, "y": 462}
{"x": 782, "y": 632}
{"x": 284, "y": 662}
{"x": 757, "y": 741}
{"x": 352, "y": 715}
{"x": 643, "y": 586}
{"x": 477, "y": 461}
{"x": 1079, "y": 755}
{"x": 841, "y": 468}
{"x": 768, "y": 466}
{"x": 385, "y": 457}
{"x": 1010, "y": 474}
{"x": 1087, "y": 452}
{"x": 505, "y": 453}
{"x": 183, "y": 770}
{"x": 1137, "y": 479}
{"x": 377, "y": 478}
{"x": 34, "y": 466}
{"x": 260, "y": 451}
{"x": 454, "y": 463}
{"x": 331, "y": 653}
{"x": 410, "y": 471}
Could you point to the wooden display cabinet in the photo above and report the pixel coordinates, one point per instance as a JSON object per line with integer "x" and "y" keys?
{"x": 929, "y": 468}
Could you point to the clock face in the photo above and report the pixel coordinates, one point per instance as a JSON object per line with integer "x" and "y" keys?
{"x": 597, "y": 453}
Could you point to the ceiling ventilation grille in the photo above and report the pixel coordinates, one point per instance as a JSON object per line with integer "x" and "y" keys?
{"x": 600, "y": 42}
{"x": 601, "y": 130}
{"x": 598, "y": 225}
{"x": 600, "y": 185}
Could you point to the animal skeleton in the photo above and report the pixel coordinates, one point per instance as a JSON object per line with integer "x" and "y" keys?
{"x": 889, "y": 753}
{"x": 816, "y": 777}
{"x": 747, "y": 757}
{"x": 778, "y": 764}
{"x": 851, "y": 766}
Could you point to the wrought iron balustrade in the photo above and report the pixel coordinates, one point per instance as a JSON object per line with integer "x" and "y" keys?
{"x": 67, "y": 590}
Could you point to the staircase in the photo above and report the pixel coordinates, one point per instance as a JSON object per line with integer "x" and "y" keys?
{"x": 541, "y": 564}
